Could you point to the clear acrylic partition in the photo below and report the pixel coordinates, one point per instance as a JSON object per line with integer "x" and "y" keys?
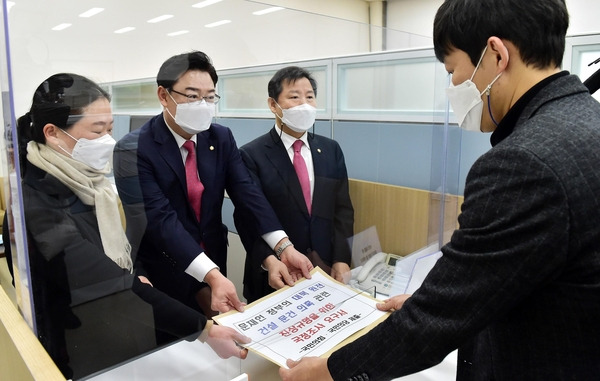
{"x": 582, "y": 58}
{"x": 381, "y": 96}
{"x": 413, "y": 141}
{"x": 17, "y": 258}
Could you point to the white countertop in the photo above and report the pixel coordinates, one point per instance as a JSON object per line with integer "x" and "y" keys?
{"x": 188, "y": 361}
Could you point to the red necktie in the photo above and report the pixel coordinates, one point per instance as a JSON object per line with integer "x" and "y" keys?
{"x": 302, "y": 172}
{"x": 194, "y": 185}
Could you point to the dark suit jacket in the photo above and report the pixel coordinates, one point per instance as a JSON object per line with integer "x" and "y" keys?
{"x": 328, "y": 227}
{"x": 518, "y": 286}
{"x": 149, "y": 171}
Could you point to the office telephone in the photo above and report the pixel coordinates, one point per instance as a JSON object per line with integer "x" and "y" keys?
{"x": 378, "y": 272}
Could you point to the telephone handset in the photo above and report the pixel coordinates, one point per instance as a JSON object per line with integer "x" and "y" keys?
{"x": 378, "y": 272}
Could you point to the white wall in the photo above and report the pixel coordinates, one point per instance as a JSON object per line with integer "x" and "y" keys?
{"x": 416, "y": 16}
{"x": 91, "y": 48}
{"x": 583, "y": 16}
{"x": 412, "y": 16}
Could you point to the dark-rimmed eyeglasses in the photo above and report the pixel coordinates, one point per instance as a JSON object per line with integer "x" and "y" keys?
{"x": 213, "y": 98}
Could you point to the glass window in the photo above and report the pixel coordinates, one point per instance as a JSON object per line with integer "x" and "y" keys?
{"x": 583, "y": 62}
{"x": 135, "y": 97}
{"x": 244, "y": 92}
{"x": 400, "y": 87}
{"x": 582, "y": 56}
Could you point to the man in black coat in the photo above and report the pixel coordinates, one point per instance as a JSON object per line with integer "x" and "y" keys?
{"x": 320, "y": 221}
{"x": 517, "y": 290}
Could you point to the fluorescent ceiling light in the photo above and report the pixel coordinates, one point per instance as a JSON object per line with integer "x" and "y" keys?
{"x": 124, "y": 30}
{"x": 222, "y": 22}
{"x": 178, "y": 33}
{"x": 91, "y": 12}
{"x": 62, "y": 26}
{"x": 267, "y": 10}
{"x": 205, "y": 3}
{"x": 160, "y": 18}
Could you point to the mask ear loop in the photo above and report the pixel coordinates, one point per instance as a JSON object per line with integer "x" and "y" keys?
{"x": 69, "y": 135}
{"x": 478, "y": 63}
{"x": 490, "y": 110}
{"x": 277, "y": 116}
{"x": 173, "y": 99}
{"x": 487, "y": 92}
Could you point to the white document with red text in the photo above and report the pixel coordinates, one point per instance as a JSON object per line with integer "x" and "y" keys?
{"x": 309, "y": 319}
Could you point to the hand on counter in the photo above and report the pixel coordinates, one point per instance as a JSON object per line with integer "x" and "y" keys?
{"x": 306, "y": 369}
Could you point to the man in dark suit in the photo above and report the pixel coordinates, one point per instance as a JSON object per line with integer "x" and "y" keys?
{"x": 174, "y": 202}
{"x": 517, "y": 290}
{"x": 318, "y": 222}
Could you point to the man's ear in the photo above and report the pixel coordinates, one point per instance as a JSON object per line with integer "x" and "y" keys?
{"x": 500, "y": 51}
{"x": 162, "y": 94}
{"x": 273, "y": 105}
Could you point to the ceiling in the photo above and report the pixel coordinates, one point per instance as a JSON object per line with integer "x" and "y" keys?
{"x": 93, "y": 39}
{"x": 91, "y": 47}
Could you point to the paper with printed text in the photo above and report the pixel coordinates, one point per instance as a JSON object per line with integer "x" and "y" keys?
{"x": 309, "y": 319}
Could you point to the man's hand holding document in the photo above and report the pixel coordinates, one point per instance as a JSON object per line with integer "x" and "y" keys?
{"x": 312, "y": 318}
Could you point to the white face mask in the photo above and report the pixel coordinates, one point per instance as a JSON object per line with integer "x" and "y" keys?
{"x": 95, "y": 153}
{"x": 466, "y": 101}
{"x": 299, "y": 118}
{"x": 193, "y": 117}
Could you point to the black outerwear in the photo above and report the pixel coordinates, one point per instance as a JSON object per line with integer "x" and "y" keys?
{"x": 518, "y": 287}
{"x": 326, "y": 230}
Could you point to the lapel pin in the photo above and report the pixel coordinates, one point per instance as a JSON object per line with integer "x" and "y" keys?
{"x": 318, "y": 150}
{"x": 212, "y": 148}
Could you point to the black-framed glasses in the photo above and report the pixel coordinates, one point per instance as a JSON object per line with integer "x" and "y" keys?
{"x": 213, "y": 98}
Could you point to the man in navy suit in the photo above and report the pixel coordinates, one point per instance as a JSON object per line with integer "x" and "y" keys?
{"x": 318, "y": 222}
{"x": 517, "y": 290}
{"x": 182, "y": 245}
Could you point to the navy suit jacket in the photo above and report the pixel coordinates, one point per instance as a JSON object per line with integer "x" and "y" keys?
{"x": 328, "y": 227}
{"x": 150, "y": 176}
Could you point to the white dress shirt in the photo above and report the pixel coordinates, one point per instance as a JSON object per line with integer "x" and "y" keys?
{"x": 288, "y": 141}
{"x": 202, "y": 264}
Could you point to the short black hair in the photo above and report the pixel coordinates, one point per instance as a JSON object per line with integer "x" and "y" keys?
{"x": 173, "y": 68}
{"x": 289, "y": 74}
{"x": 536, "y": 27}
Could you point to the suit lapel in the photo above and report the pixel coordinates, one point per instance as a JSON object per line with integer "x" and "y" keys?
{"x": 206, "y": 156}
{"x": 168, "y": 150}
{"x": 276, "y": 153}
{"x": 319, "y": 168}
